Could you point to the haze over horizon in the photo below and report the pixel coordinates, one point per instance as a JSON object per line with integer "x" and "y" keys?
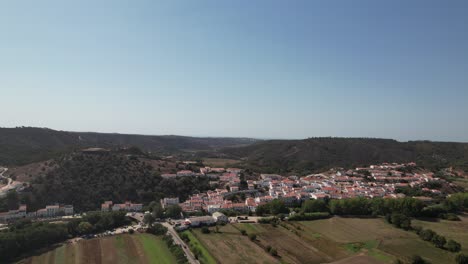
{"x": 269, "y": 69}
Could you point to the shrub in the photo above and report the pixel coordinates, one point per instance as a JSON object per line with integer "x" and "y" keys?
{"x": 461, "y": 259}
{"x": 309, "y": 216}
{"x": 243, "y": 232}
{"x": 438, "y": 240}
{"x": 252, "y": 237}
{"x": 418, "y": 260}
{"x": 427, "y": 234}
{"x": 453, "y": 246}
{"x": 273, "y": 252}
{"x": 205, "y": 230}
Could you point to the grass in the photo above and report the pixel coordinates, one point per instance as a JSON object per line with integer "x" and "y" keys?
{"x": 204, "y": 255}
{"x": 456, "y": 230}
{"x": 291, "y": 247}
{"x": 122, "y": 249}
{"x": 376, "y": 238}
{"x": 230, "y": 247}
{"x": 155, "y": 249}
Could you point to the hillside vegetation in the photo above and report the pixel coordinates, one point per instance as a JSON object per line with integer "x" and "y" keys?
{"x": 318, "y": 154}
{"x": 24, "y": 145}
{"x": 86, "y": 180}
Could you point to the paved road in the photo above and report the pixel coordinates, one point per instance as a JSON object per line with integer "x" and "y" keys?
{"x": 191, "y": 258}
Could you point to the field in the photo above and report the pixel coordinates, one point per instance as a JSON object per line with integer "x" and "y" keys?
{"x": 375, "y": 238}
{"x": 219, "y": 163}
{"x": 456, "y": 230}
{"x": 229, "y": 246}
{"x": 125, "y": 249}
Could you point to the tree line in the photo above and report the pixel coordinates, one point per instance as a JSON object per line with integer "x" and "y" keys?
{"x": 24, "y": 236}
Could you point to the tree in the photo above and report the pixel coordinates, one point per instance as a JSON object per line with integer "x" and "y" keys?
{"x": 148, "y": 219}
{"x": 427, "y": 234}
{"x": 311, "y": 206}
{"x": 157, "y": 229}
{"x": 273, "y": 252}
{"x": 12, "y": 199}
{"x": 278, "y": 207}
{"x": 157, "y": 210}
{"x": 416, "y": 259}
{"x": 401, "y": 221}
{"x": 85, "y": 228}
{"x": 205, "y": 230}
{"x": 173, "y": 211}
{"x": 461, "y": 259}
{"x": 453, "y": 246}
{"x": 438, "y": 240}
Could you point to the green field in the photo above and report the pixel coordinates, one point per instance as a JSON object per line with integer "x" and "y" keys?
{"x": 456, "y": 230}
{"x": 199, "y": 249}
{"x": 229, "y": 246}
{"x": 125, "y": 249}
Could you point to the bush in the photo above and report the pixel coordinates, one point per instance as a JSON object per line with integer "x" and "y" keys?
{"x": 400, "y": 221}
{"x": 157, "y": 229}
{"x": 453, "y": 246}
{"x": 243, "y": 232}
{"x": 252, "y": 237}
{"x": 273, "y": 252}
{"x": 205, "y": 230}
{"x": 131, "y": 231}
{"x": 418, "y": 260}
{"x": 461, "y": 259}
{"x": 309, "y": 216}
{"x": 438, "y": 240}
{"x": 426, "y": 234}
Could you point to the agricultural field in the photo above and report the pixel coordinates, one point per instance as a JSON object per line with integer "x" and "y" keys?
{"x": 374, "y": 238}
{"x": 456, "y": 230}
{"x": 230, "y": 246}
{"x": 125, "y": 249}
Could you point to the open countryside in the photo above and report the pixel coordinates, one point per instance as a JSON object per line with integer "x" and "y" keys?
{"x": 122, "y": 249}
{"x": 338, "y": 239}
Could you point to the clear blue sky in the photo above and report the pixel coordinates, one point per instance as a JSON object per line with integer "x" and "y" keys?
{"x": 268, "y": 69}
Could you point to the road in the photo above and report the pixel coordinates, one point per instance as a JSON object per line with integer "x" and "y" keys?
{"x": 10, "y": 185}
{"x": 175, "y": 236}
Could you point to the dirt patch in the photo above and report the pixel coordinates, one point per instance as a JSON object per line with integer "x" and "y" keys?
{"x": 291, "y": 248}
{"x": 134, "y": 250}
{"x": 108, "y": 250}
{"x": 91, "y": 252}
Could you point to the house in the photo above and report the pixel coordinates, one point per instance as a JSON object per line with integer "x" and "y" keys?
{"x": 220, "y": 217}
{"x": 127, "y": 206}
{"x": 200, "y": 221}
{"x": 185, "y": 173}
{"x": 169, "y": 201}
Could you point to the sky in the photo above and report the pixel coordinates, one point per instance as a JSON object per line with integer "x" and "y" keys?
{"x": 263, "y": 69}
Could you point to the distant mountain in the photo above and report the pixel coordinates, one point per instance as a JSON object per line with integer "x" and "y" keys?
{"x": 25, "y": 145}
{"x": 318, "y": 154}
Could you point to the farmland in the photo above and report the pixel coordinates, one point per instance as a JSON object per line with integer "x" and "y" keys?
{"x": 229, "y": 246}
{"x": 125, "y": 249}
{"x": 456, "y": 230}
{"x": 375, "y": 238}
{"x": 340, "y": 240}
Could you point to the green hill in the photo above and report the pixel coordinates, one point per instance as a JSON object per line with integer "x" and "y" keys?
{"x": 24, "y": 145}
{"x": 317, "y": 154}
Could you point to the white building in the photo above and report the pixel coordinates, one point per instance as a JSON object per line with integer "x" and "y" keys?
{"x": 220, "y": 217}
{"x": 169, "y": 201}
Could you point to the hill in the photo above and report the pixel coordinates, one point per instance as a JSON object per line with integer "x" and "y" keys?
{"x": 24, "y": 145}
{"x": 318, "y": 154}
{"x": 87, "y": 179}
